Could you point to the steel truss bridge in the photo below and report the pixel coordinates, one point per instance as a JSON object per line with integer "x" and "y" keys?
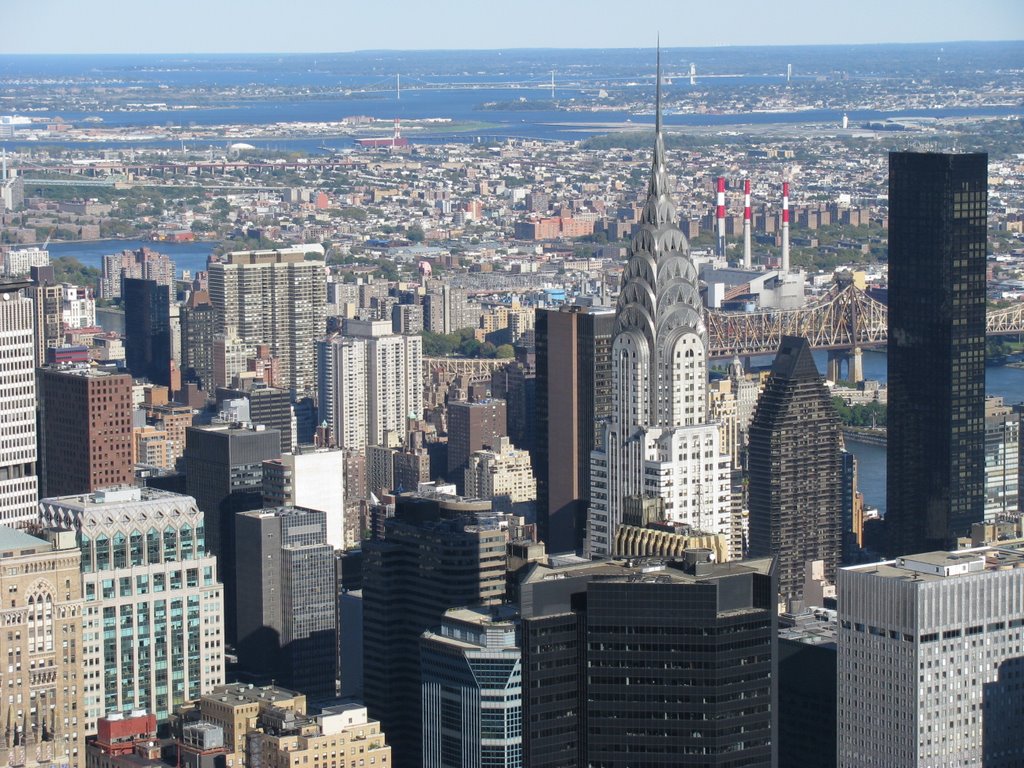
{"x": 844, "y": 321}
{"x": 844, "y": 318}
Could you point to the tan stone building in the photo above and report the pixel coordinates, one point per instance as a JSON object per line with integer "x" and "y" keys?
{"x": 342, "y": 736}
{"x": 237, "y": 708}
{"x": 41, "y": 712}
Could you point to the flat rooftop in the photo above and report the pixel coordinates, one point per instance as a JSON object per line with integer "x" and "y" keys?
{"x": 243, "y": 692}
{"x": 936, "y": 566}
{"x": 14, "y": 540}
{"x": 646, "y": 570}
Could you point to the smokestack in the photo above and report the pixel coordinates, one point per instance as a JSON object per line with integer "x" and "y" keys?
{"x": 785, "y": 227}
{"x": 720, "y": 215}
{"x": 747, "y": 263}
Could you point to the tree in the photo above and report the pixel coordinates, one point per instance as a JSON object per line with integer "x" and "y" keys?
{"x": 504, "y": 352}
{"x": 415, "y": 233}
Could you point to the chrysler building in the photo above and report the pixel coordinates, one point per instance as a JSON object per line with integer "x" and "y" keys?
{"x": 658, "y": 441}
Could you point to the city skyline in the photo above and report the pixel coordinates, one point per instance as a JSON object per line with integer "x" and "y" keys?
{"x": 193, "y": 27}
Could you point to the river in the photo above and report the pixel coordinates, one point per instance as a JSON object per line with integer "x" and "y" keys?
{"x": 999, "y": 380}
{"x": 186, "y": 256}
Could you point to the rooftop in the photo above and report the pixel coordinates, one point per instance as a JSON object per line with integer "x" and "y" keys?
{"x": 242, "y": 692}
{"x": 937, "y": 566}
{"x": 646, "y": 569}
{"x": 13, "y": 540}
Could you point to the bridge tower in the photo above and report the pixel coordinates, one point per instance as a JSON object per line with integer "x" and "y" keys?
{"x": 854, "y": 360}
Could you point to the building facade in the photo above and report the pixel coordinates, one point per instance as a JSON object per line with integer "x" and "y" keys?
{"x": 198, "y": 331}
{"x": 42, "y": 641}
{"x": 504, "y": 475}
{"x": 224, "y": 473}
{"x": 438, "y": 552}
{"x": 472, "y": 691}
{"x": 929, "y": 660}
{"x": 370, "y": 383}
{"x": 287, "y": 612}
{"x": 19, "y": 485}
{"x": 938, "y": 220}
{"x": 154, "y": 610}
{"x": 147, "y": 322}
{"x": 311, "y": 478}
{"x": 573, "y": 392}
{"x": 1002, "y": 461}
{"x": 85, "y": 423}
{"x": 598, "y": 689}
{"x": 276, "y": 298}
{"x": 658, "y": 440}
{"x": 795, "y": 466}
{"x": 472, "y": 426}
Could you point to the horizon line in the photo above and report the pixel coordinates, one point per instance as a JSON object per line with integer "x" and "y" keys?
{"x": 510, "y": 49}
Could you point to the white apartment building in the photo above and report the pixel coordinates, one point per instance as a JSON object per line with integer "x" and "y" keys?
{"x": 19, "y": 484}
{"x": 310, "y": 478}
{"x": 370, "y": 383}
{"x": 78, "y": 308}
{"x": 930, "y": 661}
{"x": 19, "y": 262}
{"x": 503, "y": 472}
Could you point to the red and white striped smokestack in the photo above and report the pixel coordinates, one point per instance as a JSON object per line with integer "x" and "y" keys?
{"x": 720, "y": 215}
{"x": 785, "y": 226}
{"x": 747, "y": 261}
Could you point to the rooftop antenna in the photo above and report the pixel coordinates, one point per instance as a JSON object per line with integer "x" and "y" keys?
{"x": 657, "y": 92}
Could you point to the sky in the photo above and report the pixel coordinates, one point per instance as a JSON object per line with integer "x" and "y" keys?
{"x": 278, "y": 26}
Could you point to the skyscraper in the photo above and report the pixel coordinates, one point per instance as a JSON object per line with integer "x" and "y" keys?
{"x": 198, "y": 330}
{"x": 573, "y": 395}
{"x": 224, "y": 472}
{"x": 370, "y": 383}
{"x": 152, "y": 636}
{"x": 639, "y": 663}
{"x": 795, "y": 464}
{"x": 938, "y": 215}
{"x": 929, "y": 660}
{"x": 287, "y": 612}
{"x": 276, "y": 298}
{"x": 438, "y": 552}
{"x": 19, "y": 484}
{"x": 147, "y": 322}
{"x": 658, "y": 440}
{"x": 472, "y": 691}
{"x": 85, "y": 423}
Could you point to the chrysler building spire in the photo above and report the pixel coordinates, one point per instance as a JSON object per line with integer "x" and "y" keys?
{"x": 658, "y": 441}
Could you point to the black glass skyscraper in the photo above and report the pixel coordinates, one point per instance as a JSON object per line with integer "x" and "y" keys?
{"x": 638, "y": 663}
{"x": 938, "y": 206}
{"x": 147, "y": 322}
{"x": 795, "y": 470}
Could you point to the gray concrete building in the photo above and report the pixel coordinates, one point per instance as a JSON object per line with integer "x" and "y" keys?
{"x": 929, "y": 660}
{"x": 287, "y": 613}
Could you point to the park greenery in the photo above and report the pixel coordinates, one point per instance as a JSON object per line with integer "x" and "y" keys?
{"x": 462, "y": 343}
{"x": 68, "y": 269}
{"x": 860, "y": 415}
